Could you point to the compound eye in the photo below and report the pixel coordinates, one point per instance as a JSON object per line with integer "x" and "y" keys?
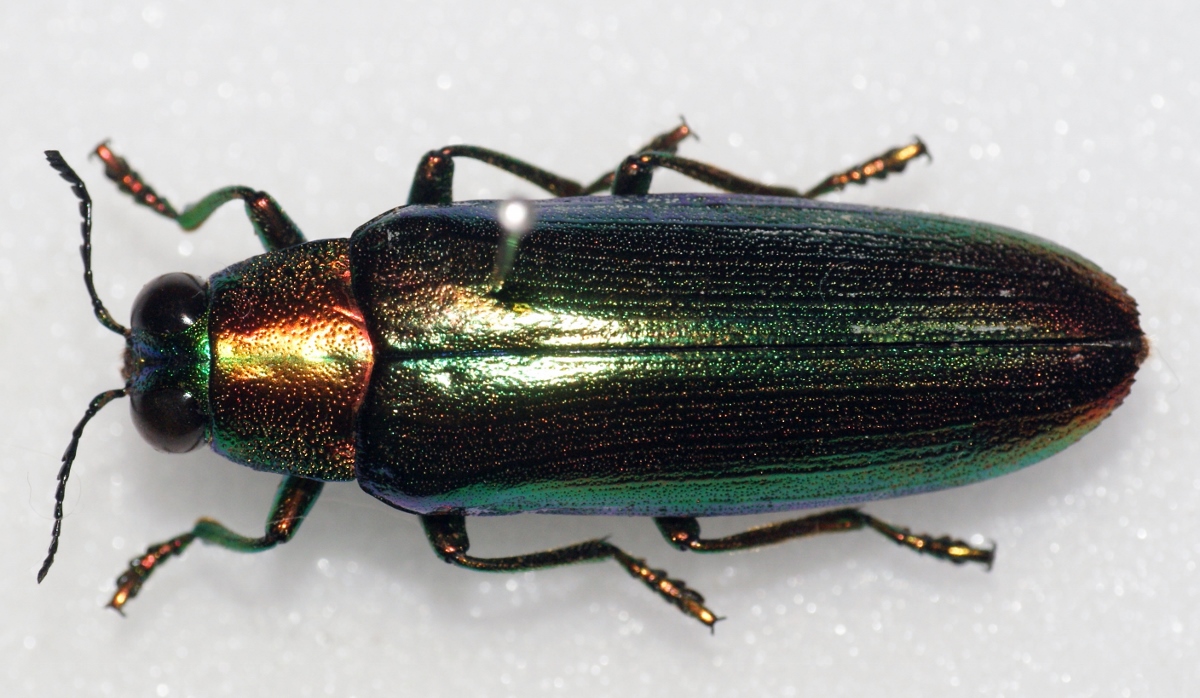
{"x": 170, "y": 303}
{"x": 169, "y": 419}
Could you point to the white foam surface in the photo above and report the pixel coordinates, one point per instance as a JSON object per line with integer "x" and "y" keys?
{"x": 1077, "y": 121}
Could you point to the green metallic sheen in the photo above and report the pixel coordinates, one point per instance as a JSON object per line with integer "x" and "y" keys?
{"x": 696, "y": 355}
{"x": 177, "y": 360}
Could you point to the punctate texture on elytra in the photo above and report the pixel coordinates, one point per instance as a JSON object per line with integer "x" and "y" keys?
{"x": 711, "y": 354}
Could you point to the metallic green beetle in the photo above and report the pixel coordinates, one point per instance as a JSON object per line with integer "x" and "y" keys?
{"x": 671, "y": 356}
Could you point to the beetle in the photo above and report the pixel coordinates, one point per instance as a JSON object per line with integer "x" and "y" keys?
{"x": 670, "y": 355}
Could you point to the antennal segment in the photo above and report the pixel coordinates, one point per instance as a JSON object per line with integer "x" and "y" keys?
{"x": 68, "y": 458}
{"x": 85, "y": 250}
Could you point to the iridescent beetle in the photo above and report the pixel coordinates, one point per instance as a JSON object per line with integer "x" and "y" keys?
{"x": 671, "y": 356}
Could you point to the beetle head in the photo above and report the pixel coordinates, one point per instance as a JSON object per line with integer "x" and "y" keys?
{"x": 166, "y": 362}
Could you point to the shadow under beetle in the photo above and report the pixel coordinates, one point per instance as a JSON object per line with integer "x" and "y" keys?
{"x": 671, "y": 356}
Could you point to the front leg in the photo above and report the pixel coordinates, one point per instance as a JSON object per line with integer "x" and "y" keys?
{"x": 274, "y": 228}
{"x": 448, "y": 535}
{"x": 293, "y": 499}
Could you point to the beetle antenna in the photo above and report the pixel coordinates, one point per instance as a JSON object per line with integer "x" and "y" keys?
{"x": 85, "y": 250}
{"x": 64, "y": 472}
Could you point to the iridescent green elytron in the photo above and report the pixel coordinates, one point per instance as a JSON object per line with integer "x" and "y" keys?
{"x": 764, "y": 355}
{"x": 672, "y": 356}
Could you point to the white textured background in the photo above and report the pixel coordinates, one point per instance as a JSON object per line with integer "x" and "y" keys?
{"x": 1074, "y": 120}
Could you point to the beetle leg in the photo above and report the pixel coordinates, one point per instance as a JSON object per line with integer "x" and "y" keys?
{"x": 894, "y": 160}
{"x": 634, "y": 174}
{"x": 667, "y": 142}
{"x": 448, "y": 535}
{"x": 434, "y": 179}
{"x": 683, "y": 532}
{"x": 293, "y": 500}
{"x": 274, "y": 228}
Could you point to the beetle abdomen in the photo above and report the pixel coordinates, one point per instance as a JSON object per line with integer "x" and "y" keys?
{"x": 700, "y": 355}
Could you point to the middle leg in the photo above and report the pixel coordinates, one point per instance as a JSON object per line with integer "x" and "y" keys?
{"x": 448, "y": 535}
{"x": 433, "y": 182}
